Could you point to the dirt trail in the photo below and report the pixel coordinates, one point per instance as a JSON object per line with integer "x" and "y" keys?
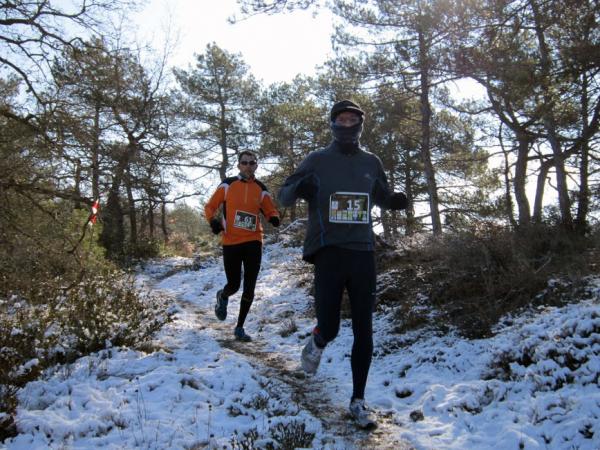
{"x": 310, "y": 396}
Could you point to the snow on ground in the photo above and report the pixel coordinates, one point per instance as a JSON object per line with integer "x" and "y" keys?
{"x": 534, "y": 385}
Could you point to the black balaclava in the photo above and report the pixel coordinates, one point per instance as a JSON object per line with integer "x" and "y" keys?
{"x": 347, "y": 137}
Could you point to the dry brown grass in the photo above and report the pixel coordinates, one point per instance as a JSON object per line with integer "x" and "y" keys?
{"x": 473, "y": 278}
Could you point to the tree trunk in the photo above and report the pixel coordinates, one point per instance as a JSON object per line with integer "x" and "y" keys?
{"x": 510, "y": 213}
{"x": 388, "y": 219}
{"x": 561, "y": 174}
{"x": 143, "y": 228}
{"x": 426, "y": 137}
{"x": 163, "y": 221}
{"x": 77, "y": 182}
{"x": 583, "y": 196}
{"x": 112, "y": 237}
{"x": 133, "y": 231}
{"x": 520, "y": 180}
{"x": 539, "y": 191}
{"x": 549, "y": 121}
{"x": 95, "y": 155}
{"x": 151, "y": 218}
{"x": 223, "y": 143}
{"x": 410, "y": 228}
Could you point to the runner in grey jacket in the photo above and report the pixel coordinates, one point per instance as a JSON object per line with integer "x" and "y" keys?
{"x": 341, "y": 184}
{"x": 359, "y": 181}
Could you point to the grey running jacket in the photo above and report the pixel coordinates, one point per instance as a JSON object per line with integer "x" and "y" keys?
{"x": 340, "y": 213}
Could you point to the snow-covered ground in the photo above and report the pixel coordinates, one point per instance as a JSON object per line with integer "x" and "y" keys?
{"x": 534, "y": 385}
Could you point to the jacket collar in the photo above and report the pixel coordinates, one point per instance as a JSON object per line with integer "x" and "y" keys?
{"x": 345, "y": 149}
{"x": 245, "y": 179}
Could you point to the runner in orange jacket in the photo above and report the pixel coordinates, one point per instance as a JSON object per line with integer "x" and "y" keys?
{"x": 242, "y": 198}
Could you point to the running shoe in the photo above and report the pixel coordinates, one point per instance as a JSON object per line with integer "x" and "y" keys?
{"x": 311, "y": 356}
{"x": 221, "y": 306}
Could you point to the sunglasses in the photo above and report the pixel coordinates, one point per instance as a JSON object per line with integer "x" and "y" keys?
{"x": 245, "y": 163}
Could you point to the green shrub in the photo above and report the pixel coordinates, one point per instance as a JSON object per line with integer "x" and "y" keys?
{"x": 39, "y": 246}
{"x": 59, "y": 297}
{"x": 50, "y": 325}
{"x": 144, "y": 248}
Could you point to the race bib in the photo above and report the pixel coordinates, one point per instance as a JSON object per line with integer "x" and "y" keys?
{"x": 349, "y": 207}
{"x": 245, "y": 220}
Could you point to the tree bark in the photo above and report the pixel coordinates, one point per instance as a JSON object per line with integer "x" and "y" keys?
{"x": 77, "y": 181}
{"x": 223, "y": 142}
{"x": 95, "y": 155}
{"x": 510, "y": 213}
{"x": 133, "y": 229}
{"x": 151, "y": 218}
{"x": 539, "y": 191}
{"x": 163, "y": 221}
{"x": 112, "y": 237}
{"x": 426, "y": 136}
{"x": 520, "y": 181}
{"x": 583, "y": 196}
{"x": 549, "y": 121}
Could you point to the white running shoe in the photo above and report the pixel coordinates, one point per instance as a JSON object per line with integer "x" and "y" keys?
{"x": 362, "y": 415}
{"x": 311, "y": 356}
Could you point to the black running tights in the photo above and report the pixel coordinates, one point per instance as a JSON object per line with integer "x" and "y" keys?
{"x": 335, "y": 269}
{"x": 248, "y": 254}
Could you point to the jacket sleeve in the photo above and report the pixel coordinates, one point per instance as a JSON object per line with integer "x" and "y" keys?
{"x": 383, "y": 196}
{"x": 213, "y": 204}
{"x": 287, "y": 194}
{"x": 268, "y": 206}
{"x": 381, "y": 189}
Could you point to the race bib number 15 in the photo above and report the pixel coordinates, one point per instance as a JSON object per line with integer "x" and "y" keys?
{"x": 349, "y": 207}
{"x": 245, "y": 221}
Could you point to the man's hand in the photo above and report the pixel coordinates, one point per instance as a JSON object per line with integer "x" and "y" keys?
{"x": 274, "y": 220}
{"x": 308, "y": 187}
{"x": 395, "y": 200}
{"x": 216, "y": 226}
{"x": 398, "y": 201}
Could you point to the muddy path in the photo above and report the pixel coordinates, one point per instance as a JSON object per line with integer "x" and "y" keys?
{"x": 312, "y": 394}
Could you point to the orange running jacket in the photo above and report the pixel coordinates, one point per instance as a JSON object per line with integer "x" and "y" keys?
{"x": 242, "y": 202}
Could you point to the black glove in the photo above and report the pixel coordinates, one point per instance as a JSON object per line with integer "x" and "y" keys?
{"x": 398, "y": 201}
{"x": 274, "y": 220}
{"x": 216, "y": 226}
{"x": 307, "y": 188}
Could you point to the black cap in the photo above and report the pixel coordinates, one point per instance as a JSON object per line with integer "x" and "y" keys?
{"x": 345, "y": 105}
